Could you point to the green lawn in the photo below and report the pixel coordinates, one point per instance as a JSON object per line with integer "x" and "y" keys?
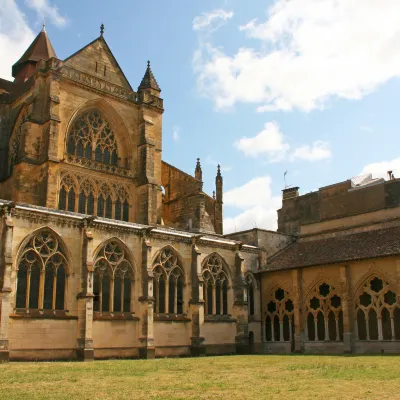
{"x": 231, "y": 377}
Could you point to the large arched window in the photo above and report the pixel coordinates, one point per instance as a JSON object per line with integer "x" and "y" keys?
{"x": 324, "y": 314}
{"x": 279, "y": 325}
{"x": 215, "y": 286}
{"x": 377, "y": 311}
{"x": 113, "y": 280}
{"x": 42, "y": 274}
{"x": 91, "y": 137}
{"x": 168, "y": 283}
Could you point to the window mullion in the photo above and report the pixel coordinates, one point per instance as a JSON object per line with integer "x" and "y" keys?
{"x": 28, "y": 287}
{"x": 166, "y": 302}
{"x": 41, "y": 289}
{"x": 111, "y": 300}
{"x": 176, "y": 296}
{"x": 53, "y": 299}
{"x": 122, "y": 293}
{"x": 101, "y": 292}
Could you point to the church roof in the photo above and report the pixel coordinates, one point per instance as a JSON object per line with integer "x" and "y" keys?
{"x": 148, "y": 81}
{"x": 40, "y": 49}
{"x": 352, "y": 247}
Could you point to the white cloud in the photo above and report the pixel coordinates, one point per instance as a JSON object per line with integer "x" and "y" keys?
{"x": 257, "y": 204}
{"x": 380, "y": 169}
{"x": 318, "y": 151}
{"x": 46, "y": 10}
{"x": 15, "y": 36}
{"x": 211, "y": 20}
{"x": 308, "y": 52}
{"x": 212, "y": 161}
{"x": 269, "y": 141}
{"x": 175, "y": 133}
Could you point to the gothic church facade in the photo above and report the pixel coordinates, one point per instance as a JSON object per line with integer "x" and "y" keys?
{"x": 108, "y": 251}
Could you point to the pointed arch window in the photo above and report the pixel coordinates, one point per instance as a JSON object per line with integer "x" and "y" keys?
{"x": 91, "y": 136}
{"x": 215, "y": 287}
{"x": 86, "y": 197}
{"x": 67, "y": 197}
{"x": 42, "y": 274}
{"x": 168, "y": 283}
{"x": 324, "y": 315}
{"x": 113, "y": 280}
{"x": 279, "y": 322}
{"x": 377, "y": 311}
{"x": 121, "y": 207}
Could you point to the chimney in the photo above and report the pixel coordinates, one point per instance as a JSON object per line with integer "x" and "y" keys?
{"x": 290, "y": 193}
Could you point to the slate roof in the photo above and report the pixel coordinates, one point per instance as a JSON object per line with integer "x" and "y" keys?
{"x": 357, "y": 246}
{"x": 40, "y": 49}
{"x": 148, "y": 81}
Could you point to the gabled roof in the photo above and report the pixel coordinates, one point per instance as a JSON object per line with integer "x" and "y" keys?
{"x": 356, "y": 246}
{"x": 40, "y": 49}
{"x": 148, "y": 81}
{"x": 103, "y": 42}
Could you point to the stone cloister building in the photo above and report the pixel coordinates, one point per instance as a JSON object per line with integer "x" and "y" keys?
{"x": 108, "y": 251}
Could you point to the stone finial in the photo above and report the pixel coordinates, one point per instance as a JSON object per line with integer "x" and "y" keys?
{"x": 198, "y": 173}
{"x": 219, "y": 171}
{"x": 149, "y": 81}
{"x": 101, "y": 29}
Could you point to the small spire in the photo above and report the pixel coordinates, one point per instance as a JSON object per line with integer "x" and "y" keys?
{"x": 101, "y": 30}
{"x": 148, "y": 81}
{"x": 198, "y": 173}
{"x": 219, "y": 171}
{"x": 44, "y": 25}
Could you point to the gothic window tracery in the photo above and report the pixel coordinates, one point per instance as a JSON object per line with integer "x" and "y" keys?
{"x": 168, "y": 283}
{"x": 113, "y": 280}
{"x": 42, "y": 274}
{"x": 15, "y": 151}
{"x": 215, "y": 287}
{"x": 279, "y": 323}
{"x": 324, "y": 314}
{"x": 87, "y": 196}
{"x": 378, "y": 311}
{"x": 92, "y": 137}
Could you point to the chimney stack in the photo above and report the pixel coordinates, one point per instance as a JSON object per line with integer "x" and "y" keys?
{"x": 290, "y": 193}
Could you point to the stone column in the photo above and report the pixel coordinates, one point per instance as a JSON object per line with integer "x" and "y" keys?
{"x": 147, "y": 349}
{"x": 5, "y": 281}
{"x": 298, "y": 315}
{"x": 196, "y": 304}
{"x": 85, "y": 350}
{"x": 347, "y": 307}
{"x": 240, "y": 303}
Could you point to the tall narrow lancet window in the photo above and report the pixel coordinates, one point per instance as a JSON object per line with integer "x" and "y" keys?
{"x": 279, "y": 323}
{"x": 324, "y": 315}
{"x": 378, "y": 311}
{"x": 104, "y": 202}
{"x": 215, "y": 286}
{"x": 121, "y": 206}
{"x": 86, "y": 197}
{"x": 67, "y": 197}
{"x": 42, "y": 274}
{"x": 113, "y": 280}
{"x": 168, "y": 283}
{"x": 91, "y": 137}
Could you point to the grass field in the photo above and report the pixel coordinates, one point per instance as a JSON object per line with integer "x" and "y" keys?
{"x": 231, "y": 377}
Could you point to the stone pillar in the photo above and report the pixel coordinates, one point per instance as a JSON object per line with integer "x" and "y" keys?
{"x": 298, "y": 302}
{"x": 196, "y": 304}
{"x": 85, "y": 350}
{"x": 5, "y": 281}
{"x": 348, "y": 312}
{"x": 240, "y": 303}
{"x": 147, "y": 349}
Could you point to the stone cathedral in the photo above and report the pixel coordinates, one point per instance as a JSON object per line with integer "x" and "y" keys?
{"x": 107, "y": 251}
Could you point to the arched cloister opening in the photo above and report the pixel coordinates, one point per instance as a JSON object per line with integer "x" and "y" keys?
{"x": 324, "y": 315}
{"x": 250, "y": 282}
{"x": 113, "y": 282}
{"x": 215, "y": 286}
{"x": 169, "y": 281}
{"x": 279, "y": 323}
{"x": 377, "y": 311}
{"x": 42, "y": 273}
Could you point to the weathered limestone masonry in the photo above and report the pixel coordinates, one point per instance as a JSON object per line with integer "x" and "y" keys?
{"x": 69, "y": 323}
{"x": 108, "y": 251}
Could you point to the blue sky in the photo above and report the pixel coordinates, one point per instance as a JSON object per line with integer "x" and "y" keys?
{"x": 305, "y": 86}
